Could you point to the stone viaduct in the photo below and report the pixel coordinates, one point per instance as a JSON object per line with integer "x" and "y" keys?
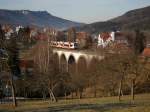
{"x": 74, "y": 57}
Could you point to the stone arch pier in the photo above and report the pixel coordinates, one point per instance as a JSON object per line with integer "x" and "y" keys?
{"x": 68, "y": 58}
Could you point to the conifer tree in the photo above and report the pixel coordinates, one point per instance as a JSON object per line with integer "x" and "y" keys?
{"x": 139, "y": 43}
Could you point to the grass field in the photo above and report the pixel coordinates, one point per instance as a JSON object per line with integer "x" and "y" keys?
{"x": 107, "y": 104}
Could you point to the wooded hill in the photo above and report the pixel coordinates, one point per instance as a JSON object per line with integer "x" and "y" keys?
{"x": 134, "y": 19}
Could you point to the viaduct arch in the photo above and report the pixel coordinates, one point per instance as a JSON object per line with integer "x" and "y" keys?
{"x": 66, "y": 58}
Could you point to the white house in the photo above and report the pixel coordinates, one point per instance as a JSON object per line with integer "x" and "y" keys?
{"x": 105, "y": 38}
{"x": 18, "y": 28}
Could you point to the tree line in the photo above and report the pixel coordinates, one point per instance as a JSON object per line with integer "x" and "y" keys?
{"x": 121, "y": 72}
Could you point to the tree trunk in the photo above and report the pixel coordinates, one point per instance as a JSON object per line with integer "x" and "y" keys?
{"x": 52, "y": 97}
{"x": 95, "y": 92}
{"x": 51, "y": 94}
{"x": 72, "y": 95}
{"x": 120, "y": 89}
{"x": 25, "y": 92}
{"x": 121, "y": 93}
{"x": 132, "y": 89}
{"x": 76, "y": 93}
{"x": 44, "y": 95}
{"x": 13, "y": 92}
{"x": 80, "y": 93}
{"x": 65, "y": 95}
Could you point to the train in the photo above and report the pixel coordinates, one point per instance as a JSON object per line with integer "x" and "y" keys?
{"x": 64, "y": 45}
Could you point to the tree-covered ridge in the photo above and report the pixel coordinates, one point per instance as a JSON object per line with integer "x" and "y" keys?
{"x": 135, "y": 19}
{"x": 34, "y": 18}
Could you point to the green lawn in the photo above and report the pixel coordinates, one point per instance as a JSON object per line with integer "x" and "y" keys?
{"x": 107, "y": 104}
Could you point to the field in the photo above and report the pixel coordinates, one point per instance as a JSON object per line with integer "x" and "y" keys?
{"x": 105, "y": 104}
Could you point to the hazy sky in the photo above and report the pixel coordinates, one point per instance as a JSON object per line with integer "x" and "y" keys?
{"x": 86, "y": 11}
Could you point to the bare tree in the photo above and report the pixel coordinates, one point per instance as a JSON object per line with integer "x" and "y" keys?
{"x": 48, "y": 68}
{"x": 136, "y": 72}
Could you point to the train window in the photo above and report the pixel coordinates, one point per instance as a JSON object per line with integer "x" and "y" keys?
{"x": 66, "y": 45}
{"x": 75, "y": 44}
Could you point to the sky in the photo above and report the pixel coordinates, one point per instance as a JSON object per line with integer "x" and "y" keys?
{"x": 86, "y": 11}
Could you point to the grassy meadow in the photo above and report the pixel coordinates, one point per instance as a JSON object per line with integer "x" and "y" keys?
{"x": 105, "y": 104}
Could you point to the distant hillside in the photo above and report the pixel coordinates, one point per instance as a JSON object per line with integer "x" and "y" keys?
{"x": 138, "y": 18}
{"x": 34, "y": 18}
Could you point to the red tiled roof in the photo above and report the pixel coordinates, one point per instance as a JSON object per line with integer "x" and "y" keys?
{"x": 105, "y": 36}
{"x": 146, "y": 52}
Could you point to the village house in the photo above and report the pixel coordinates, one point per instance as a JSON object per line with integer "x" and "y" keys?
{"x": 83, "y": 39}
{"x": 146, "y": 52}
{"x": 8, "y": 31}
{"x": 106, "y": 38}
{"x": 18, "y": 28}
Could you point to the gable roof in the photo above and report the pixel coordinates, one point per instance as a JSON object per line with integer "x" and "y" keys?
{"x": 146, "y": 52}
{"x": 105, "y": 36}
